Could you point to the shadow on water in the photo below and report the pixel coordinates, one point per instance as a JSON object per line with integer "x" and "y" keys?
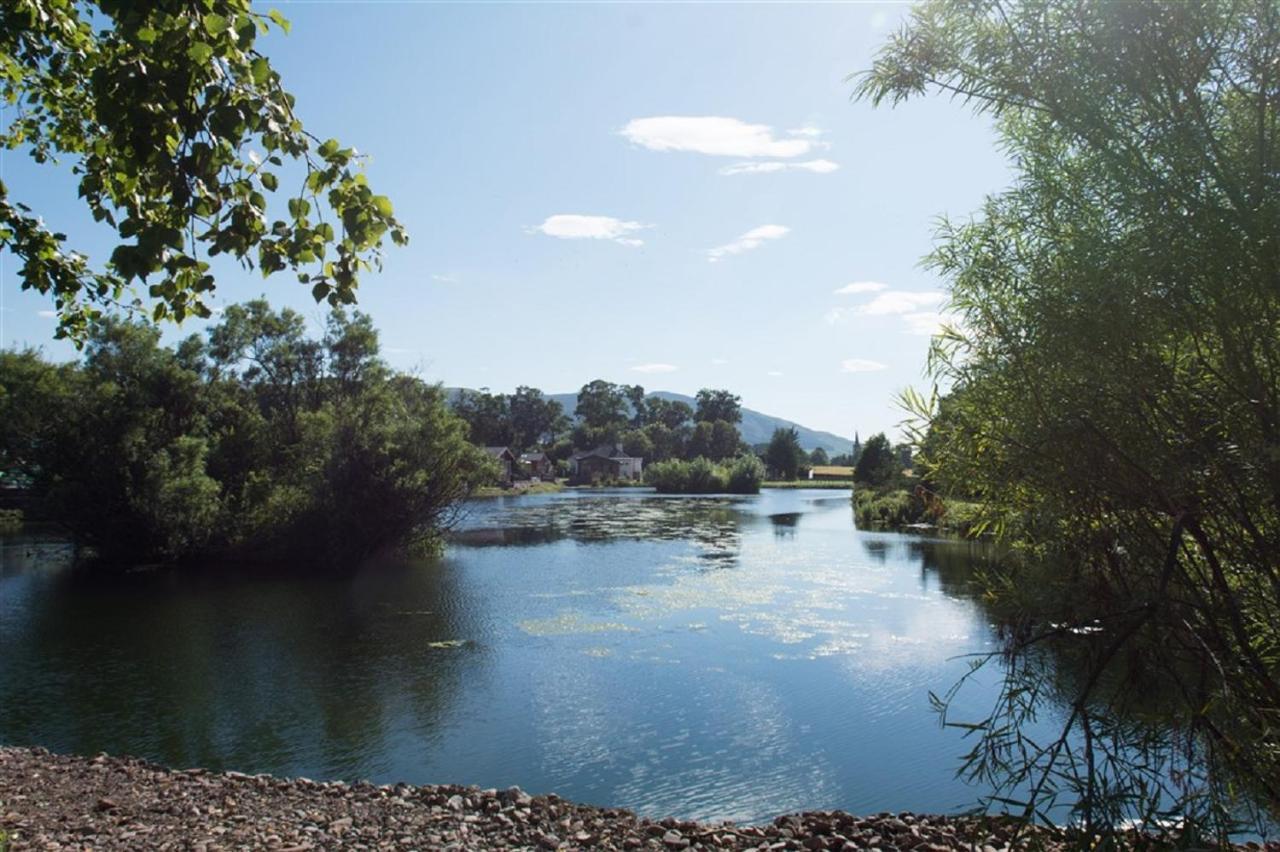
{"x": 233, "y": 669}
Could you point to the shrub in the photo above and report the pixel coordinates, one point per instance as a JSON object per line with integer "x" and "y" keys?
{"x": 745, "y": 475}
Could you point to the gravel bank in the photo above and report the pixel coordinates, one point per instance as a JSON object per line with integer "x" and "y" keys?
{"x": 50, "y": 801}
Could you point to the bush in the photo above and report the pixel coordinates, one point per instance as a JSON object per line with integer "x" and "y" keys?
{"x": 703, "y": 476}
{"x": 745, "y": 475}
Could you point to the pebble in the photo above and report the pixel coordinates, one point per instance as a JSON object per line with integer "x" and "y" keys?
{"x": 138, "y": 805}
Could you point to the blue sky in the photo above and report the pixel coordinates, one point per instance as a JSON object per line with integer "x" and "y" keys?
{"x": 669, "y": 195}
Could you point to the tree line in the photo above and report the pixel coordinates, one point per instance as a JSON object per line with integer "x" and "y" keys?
{"x": 253, "y": 440}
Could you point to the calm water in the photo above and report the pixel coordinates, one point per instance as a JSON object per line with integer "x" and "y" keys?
{"x": 702, "y": 657}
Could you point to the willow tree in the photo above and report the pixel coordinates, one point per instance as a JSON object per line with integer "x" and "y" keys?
{"x": 1114, "y": 370}
{"x": 178, "y": 129}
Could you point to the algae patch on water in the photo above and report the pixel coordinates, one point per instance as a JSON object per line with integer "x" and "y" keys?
{"x": 568, "y": 623}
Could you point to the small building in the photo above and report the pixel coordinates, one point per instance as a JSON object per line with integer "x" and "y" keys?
{"x": 604, "y": 462}
{"x": 506, "y": 461}
{"x": 539, "y": 465}
{"x": 829, "y": 471}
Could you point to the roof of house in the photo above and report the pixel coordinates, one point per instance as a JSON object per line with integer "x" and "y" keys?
{"x": 533, "y": 457}
{"x": 498, "y": 452}
{"x": 831, "y": 470}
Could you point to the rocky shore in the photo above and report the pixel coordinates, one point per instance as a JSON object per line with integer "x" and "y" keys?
{"x": 50, "y": 801}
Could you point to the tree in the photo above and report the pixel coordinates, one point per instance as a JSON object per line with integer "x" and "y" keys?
{"x": 147, "y": 452}
{"x": 534, "y": 418}
{"x": 878, "y": 465}
{"x": 716, "y": 405}
{"x": 666, "y": 443}
{"x": 635, "y": 398}
{"x": 487, "y": 415}
{"x": 784, "y": 454}
{"x": 602, "y": 404}
{"x": 161, "y": 108}
{"x": 671, "y": 413}
{"x": 818, "y": 456}
{"x": 636, "y": 443}
{"x": 1114, "y": 382}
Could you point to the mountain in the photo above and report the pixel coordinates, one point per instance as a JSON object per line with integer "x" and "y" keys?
{"x": 756, "y": 427}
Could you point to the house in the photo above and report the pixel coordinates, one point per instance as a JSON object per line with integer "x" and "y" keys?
{"x": 603, "y": 462}
{"x": 506, "y": 461}
{"x": 828, "y": 471}
{"x": 539, "y": 465}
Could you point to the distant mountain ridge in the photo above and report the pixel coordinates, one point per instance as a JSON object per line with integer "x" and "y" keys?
{"x": 756, "y": 427}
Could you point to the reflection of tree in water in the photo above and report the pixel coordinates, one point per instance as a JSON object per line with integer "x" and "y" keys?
{"x": 1121, "y": 754}
{"x": 785, "y": 523}
{"x": 223, "y": 669}
{"x": 712, "y": 523}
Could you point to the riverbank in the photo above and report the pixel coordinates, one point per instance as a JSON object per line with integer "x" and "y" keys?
{"x": 57, "y": 801}
{"x": 518, "y": 488}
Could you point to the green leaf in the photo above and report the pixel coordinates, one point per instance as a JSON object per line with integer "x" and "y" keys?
{"x": 215, "y": 24}
{"x": 383, "y": 204}
{"x": 261, "y": 70}
{"x": 320, "y": 290}
{"x": 280, "y": 20}
{"x": 269, "y": 181}
{"x": 329, "y": 147}
{"x": 146, "y": 35}
{"x": 200, "y": 53}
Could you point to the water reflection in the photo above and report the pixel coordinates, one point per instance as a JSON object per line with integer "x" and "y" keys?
{"x": 589, "y": 644}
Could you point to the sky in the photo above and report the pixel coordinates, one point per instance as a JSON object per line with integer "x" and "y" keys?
{"x": 673, "y": 195}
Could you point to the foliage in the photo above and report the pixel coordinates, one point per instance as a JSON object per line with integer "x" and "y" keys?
{"x": 819, "y": 457}
{"x": 636, "y": 443}
{"x": 672, "y": 414}
{"x": 879, "y": 464}
{"x": 162, "y": 109}
{"x": 716, "y": 405}
{"x": 1115, "y": 385}
{"x": 10, "y": 520}
{"x": 716, "y": 440}
{"x": 253, "y": 440}
{"x": 602, "y": 405}
{"x": 488, "y": 417}
{"x": 784, "y": 455}
{"x": 703, "y": 476}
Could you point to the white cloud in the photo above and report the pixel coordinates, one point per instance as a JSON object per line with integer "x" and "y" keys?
{"x": 901, "y": 302}
{"x": 835, "y": 316}
{"x": 808, "y": 131}
{"x": 751, "y": 239}
{"x": 929, "y": 323}
{"x": 774, "y": 373}
{"x": 47, "y": 314}
{"x": 878, "y": 19}
{"x": 860, "y": 365}
{"x": 860, "y": 287}
{"x": 719, "y": 361}
{"x": 574, "y": 226}
{"x": 448, "y": 279}
{"x": 654, "y": 368}
{"x": 717, "y": 136}
{"x": 819, "y": 167}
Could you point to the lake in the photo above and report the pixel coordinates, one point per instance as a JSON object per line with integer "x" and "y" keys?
{"x": 703, "y": 657}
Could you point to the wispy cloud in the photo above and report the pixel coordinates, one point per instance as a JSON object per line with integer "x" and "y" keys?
{"x": 654, "y": 368}
{"x": 717, "y": 136}
{"x": 575, "y": 226}
{"x": 47, "y": 314}
{"x": 860, "y": 365}
{"x": 901, "y": 302}
{"x": 929, "y": 323}
{"x": 719, "y": 361}
{"x": 808, "y": 131}
{"x": 774, "y": 373}
{"x": 750, "y": 240}
{"x": 860, "y": 287}
{"x": 820, "y": 167}
{"x": 447, "y": 279}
